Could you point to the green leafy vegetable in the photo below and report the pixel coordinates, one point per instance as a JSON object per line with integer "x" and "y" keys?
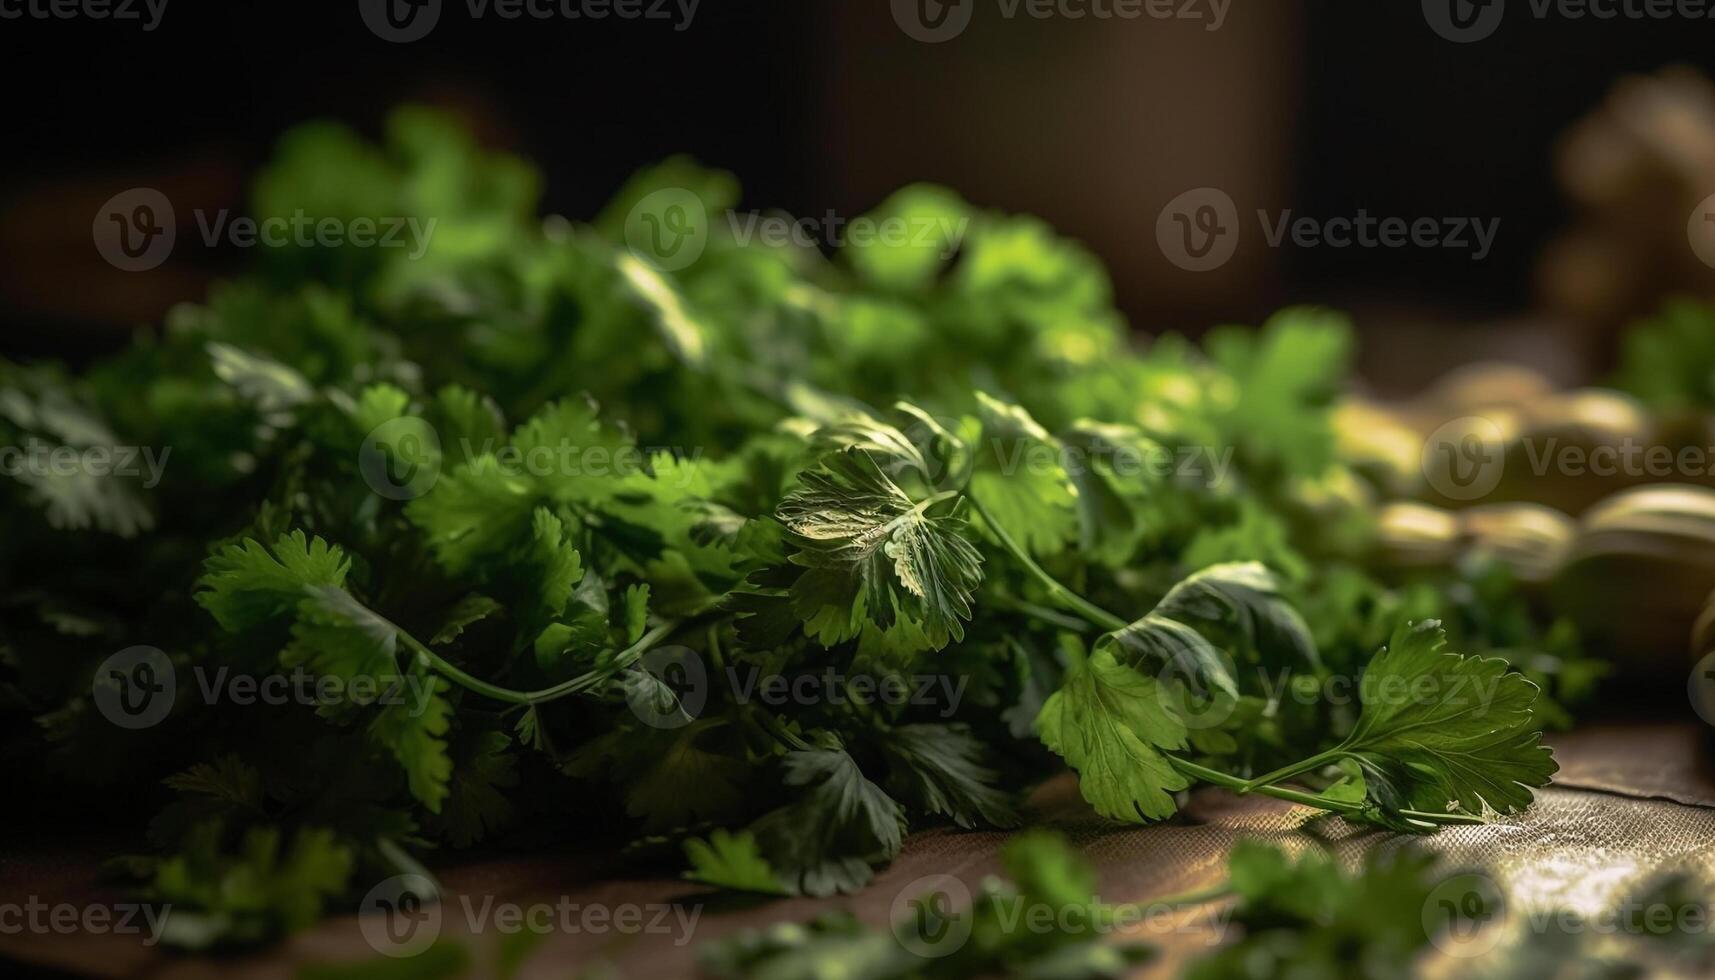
{"x": 773, "y": 555}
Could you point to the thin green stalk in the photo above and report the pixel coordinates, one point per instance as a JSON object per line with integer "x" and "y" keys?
{"x": 1044, "y": 614}
{"x": 1066, "y": 597}
{"x": 582, "y": 682}
{"x": 715, "y": 656}
{"x": 1467, "y": 819}
{"x": 1316, "y": 761}
{"x": 777, "y": 728}
{"x": 1218, "y": 778}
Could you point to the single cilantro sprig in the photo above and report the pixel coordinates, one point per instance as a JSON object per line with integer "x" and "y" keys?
{"x": 1441, "y": 736}
{"x": 1438, "y": 731}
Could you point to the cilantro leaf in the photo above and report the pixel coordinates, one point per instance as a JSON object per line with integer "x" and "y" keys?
{"x": 1115, "y": 469}
{"x": 827, "y": 840}
{"x": 1668, "y": 361}
{"x": 483, "y": 770}
{"x": 272, "y": 388}
{"x": 1185, "y": 653}
{"x": 1287, "y": 376}
{"x": 914, "y": 263}
{"x": 1240, "y": 602}
{"x": 246, "y": 584}
{"x": 732, "y": 861}
{"x": 557, "y": 563}
{"x": 40, "y": 411}
{"x": 467, "y": 612}
{"x": 1112, "y": 716}
{"x": 485, "y": 507}
{"x": 337, "y": 635}
{"x": 1440, "y": 730}
{"x": 415, "y": 732}
{"x": 1020, "y": 478}
{"x": 1111, "y": 724}
{"x": 937, "y": 769}
{"x": 334, "y": 635}
{"x": 875, "y": 554}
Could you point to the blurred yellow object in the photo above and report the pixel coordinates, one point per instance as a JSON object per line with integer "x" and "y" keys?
{"x": 1413, "y": 535}
{"x": 1487, "y": 385}
{"x": 1640, "y": 570}
{"x": 1577, "y": 448}
{"x": 1530, "y": 539}
{"x": 1379, "y": 443}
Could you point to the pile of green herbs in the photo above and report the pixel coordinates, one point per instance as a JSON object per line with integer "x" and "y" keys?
{"x": 901, "y": 460}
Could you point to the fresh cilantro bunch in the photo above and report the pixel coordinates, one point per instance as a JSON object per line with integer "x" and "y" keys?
{"x": 553, "y": 520}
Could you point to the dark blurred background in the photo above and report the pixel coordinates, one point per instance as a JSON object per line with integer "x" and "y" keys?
{"x": 1093, "y": 124}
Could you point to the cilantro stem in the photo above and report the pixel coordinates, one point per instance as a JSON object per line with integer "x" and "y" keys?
{"x": 1469, "y": 819}
{"x": 1287, "y": 772}
{"x": 1217, "y": 778}
{"x": 780, "y": 732}
{"x": 1043, "y": 613}
{"x": 1066, "y": 597}
{"x": 582, "y": 682}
